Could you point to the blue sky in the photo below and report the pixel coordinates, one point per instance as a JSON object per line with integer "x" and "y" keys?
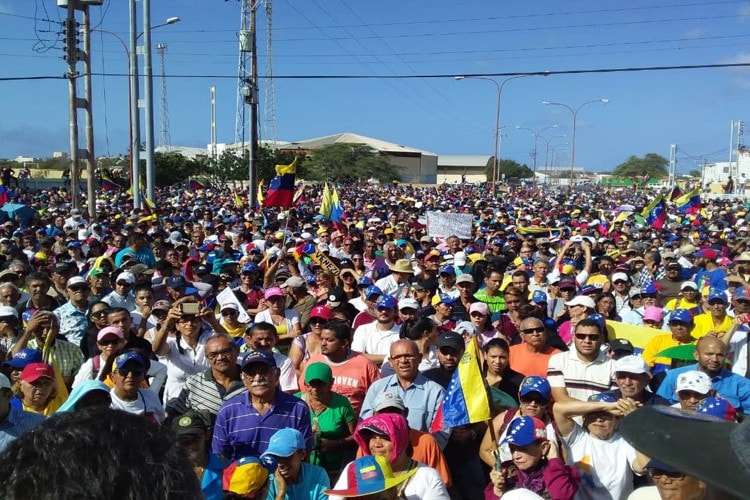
{"x": 647, "y": 110}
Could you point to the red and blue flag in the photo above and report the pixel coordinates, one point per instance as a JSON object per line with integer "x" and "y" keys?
{"x": 690, "y": 203}
{"x": 281, "y": 188}
{"x": 656, "y": 213}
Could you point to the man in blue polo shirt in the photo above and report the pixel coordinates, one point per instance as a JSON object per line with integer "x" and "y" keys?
{"x": 710, "y": 353}
{"x": 245, "y": 423}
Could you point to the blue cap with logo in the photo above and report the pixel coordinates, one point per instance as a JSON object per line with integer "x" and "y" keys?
{"x": 264, "y": 357}
{"x": 23, "y": 358}
{"x": 682, "y": 315}
{"x": 716, "y": 294}
{"x": 251, "y": 267}
{"x": 129, "y": 357}
{"x": 285, "y": 442}
{"x": 602, "y": 398}
{"x": 523, "y": 431}
{"x": 373, "y": 290}
{"x": 387, "y": 301}
{"x": 539, "y": 297}
{"x": 447, "y": 269}
{"x": 535, "y": 383}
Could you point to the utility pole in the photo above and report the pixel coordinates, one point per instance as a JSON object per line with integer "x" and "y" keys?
{"x": 214, "y": 154}
{"x": 672, "y": 166}
{"x": 90, "y": 156}
{"x": 148, "y": 100}
{"x": 71, "y": 56}
{"x": 253, "y": 102}
{"x": 135, "y": 114}
{"x": 166, "y": 139}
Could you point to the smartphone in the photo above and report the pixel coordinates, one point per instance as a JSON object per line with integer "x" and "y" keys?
{"x": 190, "y": 308}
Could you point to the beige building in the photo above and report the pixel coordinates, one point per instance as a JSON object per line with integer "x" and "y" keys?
{"x": 453, "y": 168}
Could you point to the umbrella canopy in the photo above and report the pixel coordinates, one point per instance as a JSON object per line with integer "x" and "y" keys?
{"x": 18, "y": 210}
{"x": 682, "y": 352}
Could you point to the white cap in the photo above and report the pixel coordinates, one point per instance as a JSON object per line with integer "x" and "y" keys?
{"x": 230, "y": 305}
{"x": 582, "y": 300}
{"x": 619, "y": 276}
{"x": 632, "y": 364}
{"x": 6, "y": 311}
{"x": 689, "y": 284}
{"x": 408, "y": 304}
{"x": 126, "y": 276}
{"x": 693, "y": 381}
{"x": 76, "y": 280}
{"x": 4, "y": 382}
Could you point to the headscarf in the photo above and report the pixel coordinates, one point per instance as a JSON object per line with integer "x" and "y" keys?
{"x": 394, "y": 426}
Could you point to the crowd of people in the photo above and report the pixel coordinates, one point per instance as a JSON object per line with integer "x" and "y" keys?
{"x": 272, "y": 353}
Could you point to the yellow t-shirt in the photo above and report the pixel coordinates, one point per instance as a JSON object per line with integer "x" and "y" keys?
{"x": 680, "y": 303}
{"x": 235, "y": 332}
{"x": 704, "y": 323}
{"x": 654, "y": 347}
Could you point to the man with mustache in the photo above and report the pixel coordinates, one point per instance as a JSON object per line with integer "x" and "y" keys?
{"x": 245, "y": 423}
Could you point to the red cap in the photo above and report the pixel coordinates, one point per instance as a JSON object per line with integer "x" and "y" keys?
{"x": 321, "y": 312}
{"x": 35, "y": 371}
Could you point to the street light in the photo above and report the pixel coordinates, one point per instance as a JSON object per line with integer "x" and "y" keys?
{"x": 536, "y": 137}
{"x": 546, "y": 153}
{"x": 499, "y": 87}
{"x": 574, "y": 112}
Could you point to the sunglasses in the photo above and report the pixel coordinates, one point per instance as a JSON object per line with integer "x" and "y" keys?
{"x": 109, "y": 341}
{"x": 78, "y": 288}
{"x": 654, "y": 472}
{"x": 317, "y": 320}
{"x": 583, "y": 336}
{"x": 100, "y": 314}
{"x": 529, "y": 331}
{"x": 137, "y": 372}
{"x": 229, "y": 312}
{"x": 533, "y": 399}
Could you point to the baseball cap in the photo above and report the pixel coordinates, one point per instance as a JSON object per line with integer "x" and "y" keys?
{"x": 76, "y": 280}
{"x": 653, "y": 313}
{"x": 671, "y": 435}
{"x": 451, "y": 339}
{"x": 447, "y": 269}
{"x": 109, "y": 331}
{"x": 682, "y": 315}
{"x": 191, "y": 423}
{"x": 336, "y": 297}
{"x": 273, "y": 291}
{"x": 323, "y": 312}
{"x": 581, "y": 300}
{"x": 373, "y": 290}
{"x": 535, "y": 383}
{"x": 632, "y": 364}
{"x": 161, "y": 305}
{"x": 247, "y": 475}
{"x": 200, "y": 270}
{"x": 621, "y": 345}
{"x": 523, "y": 431}
{"x": 259, "y": 357}
{"x": 364, "y": 281}
{"x": 650, "y": 289}
{"x": 386, "y": 301}
{"x": 24, "y": 357}
{"x": 707, "y": 253}
{"x": 128, "y": 277}
{"x": 294, "y": 282}
{"x": 568, "y": 282}
{"x": 250, "y": 267}
{"x": 285, "y": 442}
{"x": 7, "y": 311}
{"x": 229, "y": 305}
{"x": 601, "y": 398}
{"x": 387, "y": 400}
{"x": 635, "y": 292}
{"x": 128, "y": 357}
{"x": 689, "y": 284}
{"x": 175, "y": 281}
{"x": 318, "y": 371}
{"x": 589, "y": 289}
{"x": 693, "y": 380}
{"x": 619, "y": 277}
{"x": 539, "y": 297}
{"x": 717, "y": 407}
{"x": 465, "y": 278}
{"x": 479, "y": 307}
{"x": 35, "y": 371}
{"x": 368, "y": 475}
{"x": 408, "y": 304}
{"x": 715, "y": 294}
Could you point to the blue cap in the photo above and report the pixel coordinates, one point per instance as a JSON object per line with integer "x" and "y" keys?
{"x": 717, "y": 407}
{"x": 589, "y": 289}
{"x": 365, "y": 281}
{"x": 535, "y": 383}
{"x": 285, "y": 442}
{"x": 444, "y": 298}
{"x": 601, "y": 398}
{"x": 387, "y": 301}
{"x": 523, "y": 431}
{"x": 599, "y": 319}
{"x": 176, "y": 281}
{"x": 74, "y": 244}
{"x": 447, "y": 269}
{"x": 251, "y": 267}
{"x": 539, "y": 297}
{"x": 129, "y": 357}
{"x": 741, "y": 293}
{"x": 23, "y": 358}
{"x": 716, "y": 294}
{"x": 681, "y": 315}
{"x": 373, "y": 290}
{"x": 264, "y": 357}
{"x": 650, "y": 289}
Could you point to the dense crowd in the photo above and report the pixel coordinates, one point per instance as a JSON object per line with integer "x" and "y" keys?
{"x": 272, "y": 353}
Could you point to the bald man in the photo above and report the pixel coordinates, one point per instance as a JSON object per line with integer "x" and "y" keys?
{"x": 709, "y": 354}
{"x": 532, "y": 355}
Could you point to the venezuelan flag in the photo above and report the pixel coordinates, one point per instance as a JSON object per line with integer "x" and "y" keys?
{"x": 466, "y": 400}
{"x": 195, "y": 184}
{"x": 4, "y": 194}
{"x": 690, "y": 203}
{"x": 675, "y": 193}
{"x": 281, "y": 188}
{"x": 108, "y": 184}
{"x": 237, "y": 200}
{"x": 259, "y": 195}
{"x": 540, "y": 232}
{"x": 656, "y": 213}
{"x": 337, "y": 208}
{"x": 326, "y": 203}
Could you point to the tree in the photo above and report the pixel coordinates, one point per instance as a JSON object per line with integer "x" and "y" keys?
{"x": 695, "y": 173}
{"x": 651, "y": 165}
{"x": 349, "y": 163}
{"x": 174, "y": 168}
{"x": 510, "y": 168}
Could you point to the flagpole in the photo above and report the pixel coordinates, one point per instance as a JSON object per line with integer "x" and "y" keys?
{"x": 490, "y": 426}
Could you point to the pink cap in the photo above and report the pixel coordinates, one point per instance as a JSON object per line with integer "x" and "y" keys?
{"x": 479, "y": 307}
{"x": 274, "y": 291}
{"x": 653, "y": 313}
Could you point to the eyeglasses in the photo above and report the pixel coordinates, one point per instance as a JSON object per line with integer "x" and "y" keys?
{"x": 529, "y": 331}
{"x": 224, "y": 352}
{"x": 107, "y": 342}
{"x": 123, "y": 283}
{"x": 137, "y": 372}
{"x": 593, "y": 336}
{"x": 477, "y": 315}
{"x": 100, "y": 314}
{"x": 188, "y": 319}
{"x": 654, "y": 473}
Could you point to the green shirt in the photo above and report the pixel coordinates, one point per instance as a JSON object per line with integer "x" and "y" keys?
{"x": 494, "y": 304}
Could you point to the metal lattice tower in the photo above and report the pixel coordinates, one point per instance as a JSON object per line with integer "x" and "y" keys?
{"x": 243, "y": 72}
{"x": 269, "y": 112}
{"x": 165, "y": 139}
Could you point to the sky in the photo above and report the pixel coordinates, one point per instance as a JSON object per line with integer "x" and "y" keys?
{"x": 420, "y": 45}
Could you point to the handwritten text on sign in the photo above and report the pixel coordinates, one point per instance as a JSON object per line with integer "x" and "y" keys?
{"x": 442, "y": 225}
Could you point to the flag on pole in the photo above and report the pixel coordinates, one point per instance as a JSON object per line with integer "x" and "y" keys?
{"x": 540, "y": 232}
{"x": 195, "y": 184}
{"x": 237, "y": 200}
{"x": 656, "y": 213}
{"x": 299, "y": 194}
{"x": 675, "y": 193}
{"x": 281, "y": 187}
{"x": 108, "y": 184}
{"x": 465, "y": 402}
{"x": 259, "y": 195}
{"x": 690, "y": 203}
{"x": 326, "y": 203}
{"x": 337, "y": 208}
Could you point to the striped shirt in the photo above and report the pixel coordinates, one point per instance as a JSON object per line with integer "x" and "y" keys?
{"x": 204, "y": 393}
{"x": 240, "y": 431}
{"x": 581, "y": 378}
{"x": 67, "y": 357}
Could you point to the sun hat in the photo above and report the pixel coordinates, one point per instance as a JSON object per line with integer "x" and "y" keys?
{"x": 402, "y": 266}
{"x": 368, "y": 475}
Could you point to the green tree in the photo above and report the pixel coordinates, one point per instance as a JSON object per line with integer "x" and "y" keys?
{"x": 174, "y": 168}
{"x": 652, "y": 165}
{"x": 349, "y": 163}
{"x": 695, "y": 173}
{"x": 511, "y": 169}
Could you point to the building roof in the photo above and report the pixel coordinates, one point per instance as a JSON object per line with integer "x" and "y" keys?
{"x": 479, "y": 161}
{"x": 349, "y": 138}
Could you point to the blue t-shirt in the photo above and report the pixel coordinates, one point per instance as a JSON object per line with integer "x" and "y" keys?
{"x": 730, "y": 386}
{"x": 310, "y": 485}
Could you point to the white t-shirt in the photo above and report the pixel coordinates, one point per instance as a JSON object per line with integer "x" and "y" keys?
{"x": 738, "y": 348}
{"x": 605, "y": 465}
{"x": 369, "y": 340}
{"x": 181, "y": 365}
{"x": 425, "y": 484}
{"x": 147, "y": 403}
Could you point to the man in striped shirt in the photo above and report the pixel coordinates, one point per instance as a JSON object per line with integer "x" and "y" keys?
{"x": 246, "y": 422}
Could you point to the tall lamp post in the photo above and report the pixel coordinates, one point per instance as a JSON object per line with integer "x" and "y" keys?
{"x": 574, "y": 112}
{"x": 536, "y": 138}
{"x": 499, "y": 87}
{"x": 546, "y": 153}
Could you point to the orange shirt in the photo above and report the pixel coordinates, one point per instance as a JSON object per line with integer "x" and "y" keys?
{"x": 530, "y": 363}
